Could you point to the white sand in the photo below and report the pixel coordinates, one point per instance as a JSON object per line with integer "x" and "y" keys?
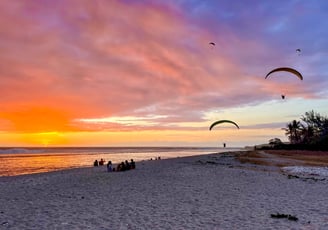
{"x": 307, "y": 170}
{"x": 205, "y": 192}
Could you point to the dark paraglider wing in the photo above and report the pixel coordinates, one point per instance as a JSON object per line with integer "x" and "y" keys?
{"x": 286, "y": 69}
{"x": 298, "y": 51}
{"x": 223, "y": 121}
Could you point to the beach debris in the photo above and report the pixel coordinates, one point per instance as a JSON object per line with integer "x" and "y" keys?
{"x": 278, "y": 215}
{"x": 292, "y": 176}
{"x": 287, "y": 216}
{"x": 305, "y": 178}
{"x": 211, "y": 162}
{"x": 294, "y": 218}
{"x": 222, "y": 121}
{"x": 226, "y": 155}
{"x": 200, "y": 162}
{"x": 4, "y": 223}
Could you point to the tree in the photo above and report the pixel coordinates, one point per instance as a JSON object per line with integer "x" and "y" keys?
{"x": 312, "y": 129}
{"x": 293, "y": 131}
{"x": 307, "y": 134}
{"x": 275, "y": 142}
{"x": 316, "y": 126}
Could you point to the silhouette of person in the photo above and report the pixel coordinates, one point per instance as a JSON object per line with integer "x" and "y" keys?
{"x": 132, "y": 164}
{"x": 127, "y": 165}
{"x": 109, "y": 166}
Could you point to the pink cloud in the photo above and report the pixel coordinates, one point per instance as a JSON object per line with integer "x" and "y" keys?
{"x": 93, "y": 59}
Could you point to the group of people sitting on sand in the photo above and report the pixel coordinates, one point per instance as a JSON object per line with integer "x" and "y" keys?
{"x": 123, "y": 166}
{"x": 99, "y": 163}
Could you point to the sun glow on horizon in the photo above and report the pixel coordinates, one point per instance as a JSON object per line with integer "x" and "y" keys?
{"x": 195, "y": 138}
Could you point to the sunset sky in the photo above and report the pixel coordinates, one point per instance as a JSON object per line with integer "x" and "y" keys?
{"x": 142, "y": 73}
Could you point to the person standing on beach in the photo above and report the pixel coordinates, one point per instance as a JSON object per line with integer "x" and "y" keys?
{"x": 109, "y": 166}
{"x": 224, "y": 145}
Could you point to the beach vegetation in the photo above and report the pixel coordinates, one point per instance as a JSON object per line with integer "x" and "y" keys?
{"x": 293, "y": 131}
{"x": 310, "y": 132}
{"x": 275, "y": 141}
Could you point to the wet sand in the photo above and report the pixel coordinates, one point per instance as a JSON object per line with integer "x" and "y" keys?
{"x": 214, "y": 191}
{"x": 282, "y": 158}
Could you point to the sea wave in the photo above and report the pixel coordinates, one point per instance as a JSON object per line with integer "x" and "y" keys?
{"x": 19, "y": 150}
{"x": 25, "y": 160}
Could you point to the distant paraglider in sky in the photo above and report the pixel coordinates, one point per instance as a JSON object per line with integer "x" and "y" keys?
{"x": 212, "y": 43}
{"x": 286, "y": 69}
{"x": 222, "y": 121}
{"x": 298, "y": 51}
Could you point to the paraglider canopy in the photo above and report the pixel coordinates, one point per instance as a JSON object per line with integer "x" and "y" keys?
{"x": 212, "y": 43}
{"x": 223, "y": 121}
{"x": 286, "y": 69}
{"x": 298, "y": 51}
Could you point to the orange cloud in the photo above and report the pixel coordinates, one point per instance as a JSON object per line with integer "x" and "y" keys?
{"x": 37, "y": 119}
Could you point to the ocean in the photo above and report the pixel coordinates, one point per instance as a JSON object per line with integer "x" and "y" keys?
{"x": 19, "y": 161}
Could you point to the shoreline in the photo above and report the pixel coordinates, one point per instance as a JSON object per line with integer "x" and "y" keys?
{"x": 213, "y": 191}
{"x": 45, "y": 161}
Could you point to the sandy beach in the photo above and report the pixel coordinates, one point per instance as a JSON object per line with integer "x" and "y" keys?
{"x": 215, "y": 191}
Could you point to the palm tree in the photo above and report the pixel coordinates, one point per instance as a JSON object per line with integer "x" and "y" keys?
{"x": 293, "y": 131}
